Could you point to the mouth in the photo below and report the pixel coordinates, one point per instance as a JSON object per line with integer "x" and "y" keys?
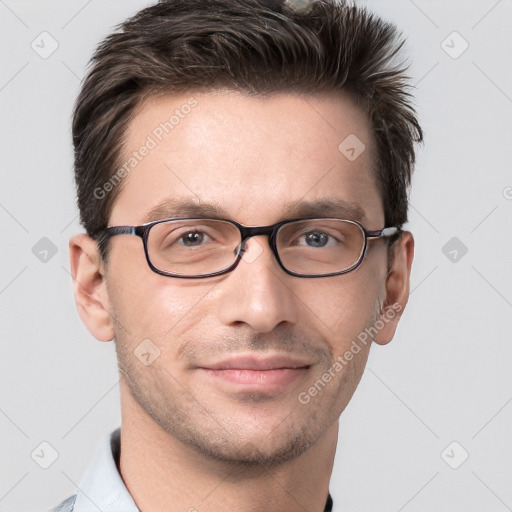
{"x": 257, "y": 374}
{"x": 276, "y": 362}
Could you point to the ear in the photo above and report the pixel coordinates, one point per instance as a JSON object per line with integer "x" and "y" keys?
{"x": 397, "y": 288}
{"x": 88, "y": 271}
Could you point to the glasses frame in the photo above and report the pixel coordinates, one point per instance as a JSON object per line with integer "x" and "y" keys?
{"x": 247, "y": 232}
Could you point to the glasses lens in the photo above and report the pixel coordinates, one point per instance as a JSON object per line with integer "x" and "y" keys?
{"x": 193, "y": 247}
{"x": 320, "y": 246}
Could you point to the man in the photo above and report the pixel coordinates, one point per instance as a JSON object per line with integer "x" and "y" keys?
{"x": 242, "y": 169}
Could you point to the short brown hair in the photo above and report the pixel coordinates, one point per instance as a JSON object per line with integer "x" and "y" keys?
{"x": 256, "y": 47}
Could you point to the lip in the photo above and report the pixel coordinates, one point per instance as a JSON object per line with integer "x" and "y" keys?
{"x": 275, "y": 362}
{"x": 267, "y": 375}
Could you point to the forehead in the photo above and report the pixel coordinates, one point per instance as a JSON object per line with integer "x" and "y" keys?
{"x": 255, "y": 159}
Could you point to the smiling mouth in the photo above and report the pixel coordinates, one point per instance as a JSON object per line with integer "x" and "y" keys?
{"x": 267, "y": 374}
{"x": 251, "y": 362}
{"x": 263, "y": 381}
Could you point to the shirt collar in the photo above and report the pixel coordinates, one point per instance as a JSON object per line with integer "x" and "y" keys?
{"x": 102, "y": 487}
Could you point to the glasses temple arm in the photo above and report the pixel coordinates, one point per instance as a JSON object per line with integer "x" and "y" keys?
{"x": 383, "y": 233}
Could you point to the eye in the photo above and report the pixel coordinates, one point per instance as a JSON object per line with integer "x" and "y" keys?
{"x": 192, "y": 239}
{"x": 319, "y": 238}
{"x": 316, "y": 239}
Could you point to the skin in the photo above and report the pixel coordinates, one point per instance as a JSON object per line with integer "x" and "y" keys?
{"x": 188, "y": 440}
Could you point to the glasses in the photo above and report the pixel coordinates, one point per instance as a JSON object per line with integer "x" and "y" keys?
{"x": 197, "y": 248}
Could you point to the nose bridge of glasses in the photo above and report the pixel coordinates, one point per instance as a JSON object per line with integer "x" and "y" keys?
{"x": 248, "y": 232}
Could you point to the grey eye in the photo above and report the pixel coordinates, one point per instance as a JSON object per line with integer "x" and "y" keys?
{"x": 317, "y": 239}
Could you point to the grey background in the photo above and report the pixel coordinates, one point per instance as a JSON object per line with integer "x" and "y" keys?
{"x": 446, "y": 377}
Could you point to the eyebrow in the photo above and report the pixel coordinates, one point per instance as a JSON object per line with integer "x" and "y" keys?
{"x": 327, "y": 207}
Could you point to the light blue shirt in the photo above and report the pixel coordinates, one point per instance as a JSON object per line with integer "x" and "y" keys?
{"x": 102, "y": 488}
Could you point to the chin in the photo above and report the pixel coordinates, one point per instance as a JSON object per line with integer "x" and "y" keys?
{"x": 254, "y": 443}
{"x": 248, "y": 452}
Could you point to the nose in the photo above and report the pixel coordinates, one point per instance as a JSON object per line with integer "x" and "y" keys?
{"x": 258, "y": 293}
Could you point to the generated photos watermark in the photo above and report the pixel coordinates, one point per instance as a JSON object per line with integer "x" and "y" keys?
{"x": 363, "y": 338}
{"x": 152, "y": 140}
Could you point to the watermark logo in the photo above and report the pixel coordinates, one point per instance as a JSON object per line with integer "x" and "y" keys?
{"x": 44, "y": 455}
{"x": 454, "y": 45}
{"x": 299, "y": 7}
{"x": 44, "y": 45}
{"x": 352, "y": 147}
{"x": 251, "y": 253}
{"x": 454, "y": 249}
{"x": 146, "y": 352}
{"x": 44, "y": 250}
{"x": 455, "y": 455}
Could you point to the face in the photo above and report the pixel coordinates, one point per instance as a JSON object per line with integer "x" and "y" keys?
{"x": 238, "y": 357}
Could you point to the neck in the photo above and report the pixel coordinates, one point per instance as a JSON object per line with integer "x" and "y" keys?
{"x": 162, "y": 474}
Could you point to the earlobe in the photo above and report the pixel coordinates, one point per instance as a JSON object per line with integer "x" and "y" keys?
{"x": 397, "y": 288}
{"x": 89, "y": 287}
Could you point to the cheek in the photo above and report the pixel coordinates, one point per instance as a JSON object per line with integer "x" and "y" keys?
{"x": 146, "y": 305}
{"x": 345, "y": 305}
